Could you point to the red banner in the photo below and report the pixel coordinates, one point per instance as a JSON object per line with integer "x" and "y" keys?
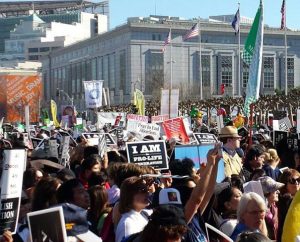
{"x": 174, "y": 128}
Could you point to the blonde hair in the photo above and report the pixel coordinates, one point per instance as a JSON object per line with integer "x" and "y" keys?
{"x": 271, "y": 155}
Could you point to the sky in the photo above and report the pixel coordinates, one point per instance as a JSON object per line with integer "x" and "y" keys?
{"x": 120, "y": 10}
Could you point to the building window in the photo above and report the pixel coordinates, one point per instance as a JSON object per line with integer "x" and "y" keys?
{"x": 205, "y": 70}
{"x": 291, "y": 72}
{"x": 123, "y": 70}
{"x": 268, "y": 72}
{"x": 33, "y": 57}
{"x": 153, "y": 37}
{"x": 154, "y": 71}
{"x": 245, "y": 74}
{"x": 44, "y": 49}
{"x": 226, "y": 70}
{"x": 33, "y": 50}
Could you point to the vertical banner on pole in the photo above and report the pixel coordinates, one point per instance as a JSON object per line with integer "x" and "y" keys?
{"x": 169, "y": 104}
{"x": 93, "y": 93}
{"x": 11, "y": 188}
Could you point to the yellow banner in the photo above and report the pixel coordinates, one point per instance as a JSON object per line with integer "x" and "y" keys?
{"x": 139, "y": 102}
{"x": 54, "y": 113}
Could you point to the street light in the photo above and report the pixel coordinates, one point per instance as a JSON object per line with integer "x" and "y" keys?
{"x": 58, "y": 91}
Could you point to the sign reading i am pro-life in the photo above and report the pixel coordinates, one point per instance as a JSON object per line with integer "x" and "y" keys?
{"x": 11, "y": 188}
{"x": 148, "y": 153}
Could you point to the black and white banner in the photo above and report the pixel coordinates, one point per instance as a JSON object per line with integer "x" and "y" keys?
{"x": 203, "y": 138}
{"x": 11, "y": 188}
{"x": 148, "y": 153}
{"x": 93, "y": 93}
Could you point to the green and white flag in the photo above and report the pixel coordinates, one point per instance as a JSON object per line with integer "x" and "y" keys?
{"x": 252, "y": 55}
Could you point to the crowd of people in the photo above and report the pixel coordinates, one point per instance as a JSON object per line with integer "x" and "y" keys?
{"x": 119, "y": 201}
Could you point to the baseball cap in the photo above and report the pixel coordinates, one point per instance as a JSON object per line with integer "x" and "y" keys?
{"x": 169, "y": 196}
{"x": 269, "y": 185}
{"x": 167, "y": 215}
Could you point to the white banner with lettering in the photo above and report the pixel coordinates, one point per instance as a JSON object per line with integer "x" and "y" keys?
{"x": 93, "y": 93}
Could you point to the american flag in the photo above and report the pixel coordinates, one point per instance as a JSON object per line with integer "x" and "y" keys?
{"x": 194, "y": 31}
{"x": 167, "y": 41}
{"x": 283, "y": 15}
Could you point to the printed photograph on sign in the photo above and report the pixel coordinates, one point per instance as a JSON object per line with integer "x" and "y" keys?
{"x": 47, "y": 225}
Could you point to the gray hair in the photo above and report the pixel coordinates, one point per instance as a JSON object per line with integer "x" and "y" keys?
{"x": 245, "y": 199}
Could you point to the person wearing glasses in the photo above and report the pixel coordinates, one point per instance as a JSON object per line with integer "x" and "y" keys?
{"x": 251, "y": 215}
{"x": 291, "y": 180}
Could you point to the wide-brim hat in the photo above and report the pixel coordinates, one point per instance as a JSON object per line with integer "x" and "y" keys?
{"x": 229, "y": 132}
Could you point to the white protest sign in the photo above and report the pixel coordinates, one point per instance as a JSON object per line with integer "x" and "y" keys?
{"x": 11, "y": 188}
{"x": 53, "y": 148}
{"x": 169, "y": 104}
{"x": 143, "y": 129}
{"x": 109, "y": 117}
{"x": 102, "y": 145}
{"x": 47, "y": 225}
{"x": 65, "y": 150}
{"x": 93, "y": 93}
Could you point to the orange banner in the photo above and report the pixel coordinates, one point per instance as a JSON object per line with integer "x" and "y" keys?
{"x": 17, "y": 91}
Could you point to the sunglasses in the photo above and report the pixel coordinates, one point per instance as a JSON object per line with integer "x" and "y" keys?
{"x": 294, "y": 181}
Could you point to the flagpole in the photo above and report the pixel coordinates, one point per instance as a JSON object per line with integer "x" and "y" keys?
{"x": 285, "y": 49}
{"x": 239, "y": 54}
{"x": 200, "y": 61}
{"x": 171, "y": 70}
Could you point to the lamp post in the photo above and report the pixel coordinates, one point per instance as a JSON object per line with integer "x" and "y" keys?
{"x": 58, "y": 91}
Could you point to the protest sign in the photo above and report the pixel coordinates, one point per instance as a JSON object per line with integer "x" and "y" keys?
{"x": 93, "y": 93}
{"x": 11, "y": 188}
{"x": 284, "y": 124}
{"x": 159, "y": 118}
{"x": 148, "y": 153}
{"x": 142, "y": 129}
{"x": 53, "y": 152}
{"x": 47, "y": 225}
{"x": 174, "y": 128}
{"x": 110, "y": 117}
{"x": 198, "y": 154}
{"x": 102, "y": 145}
{"x": 36, "y": 142}
{"x": 203, "y": 138}
{"x": 93, "y": 138}
{"x": 138, "y": 118}
{"x": 215, "y": 233}
{"x": 109, "y": 139}
{"x": 279, "y": 135}
{"x": 65, "y": 144}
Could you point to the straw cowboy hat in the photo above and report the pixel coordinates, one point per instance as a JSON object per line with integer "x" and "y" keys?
{"x": 229, "y": 132}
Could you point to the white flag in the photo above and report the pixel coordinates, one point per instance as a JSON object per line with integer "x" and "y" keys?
{"x": 93, "y": 93}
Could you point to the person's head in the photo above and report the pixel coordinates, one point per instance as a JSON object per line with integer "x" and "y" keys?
{"x": 133, "y": 195}
{"x": 184, "y": 167}
{"x": 271, "y": 156}
{"x": 270, "y": 189}
{"x": 90, "y": 165}
{"x": 72, "y": 191}
{"x": 31, "y": 177}
{"x": 255, "y": 156}
{"x": 256, "y": 174}
{"x": 230, "y": 137}
{"x": 99, "y": 202}
{"x": 291, "y": 179}
{"x": 44, "y": 195}
{"x": 126, "y": 170}
{"x": 166, "y": 224}
{"x": 228, "y": 200}
{"x": 90, "y": 150}
{"x": 251, "y": 210}
{"x": 296, "y": 158}
{"x": 252, "y": 237}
